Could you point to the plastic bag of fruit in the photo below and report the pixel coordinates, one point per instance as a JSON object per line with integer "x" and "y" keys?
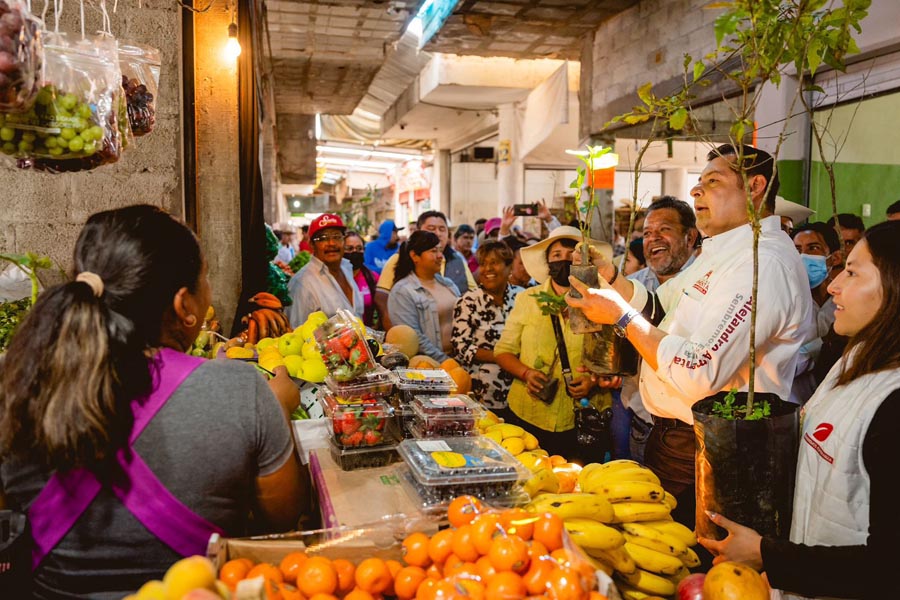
{"x": 140, "y": 79}
{"x": 78, "y": 120}
{"x": 21, "y": 55}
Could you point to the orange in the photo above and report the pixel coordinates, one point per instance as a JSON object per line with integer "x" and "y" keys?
{"x": 440, "y": 546}
{"x": 471, "y": 589}
{"x": 450, "y": 564}
{"x": 289, "y": 592}
{"x": 290, "y": 564}
{"x": 485, "y": 569}
{"x": 557, "y": 460}
{"x": 317, "y": 576}
{"x": 425, "y": 591}
{"x": 570, "y": 559}
{"x": 505, "y": 586}
{"x": 324, "y": 597}
{"x": 434, "y": 572}
{"x": 272, "y": 590}
{"x": 267, "y": 571}
{"x": 415, "y": 550}
{"x": 373, "y": 576}
{"x": 394, "y": 567}
{"x": 463, "y": 544}
{"x": 536, "y": 577}
{"x": 566, "y": 584}
{"x": 509, "y": 553}
{"x": 358, "y": 594}
{"x": 518, "y": 522}
{"x": 568, "y": 479}
{"x": 407, "y": 581}
{"x": 461, "y": 569}
{"x": 234, "y": 571}
{"x": 537, "y": 550}
{"x": 445, "y": 590}
{"x": 463, "y": 509}
{"x": 485, "y": 528}
{"x": 595, "y": 595}
{"x": 345, "y": 573}
{"x": 548, "y": 530}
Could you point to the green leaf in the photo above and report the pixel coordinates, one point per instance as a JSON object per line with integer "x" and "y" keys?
{"x": 678, "y": 119}
{"x": 699, "y": 69}
{"x": 635, "y": 119}
{"x": 814, "y": 56}
{"x": 645, "y": 95}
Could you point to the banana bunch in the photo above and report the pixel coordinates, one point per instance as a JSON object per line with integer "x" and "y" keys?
{"x": 268, "y": 320}
{"x": 621, "y": 519}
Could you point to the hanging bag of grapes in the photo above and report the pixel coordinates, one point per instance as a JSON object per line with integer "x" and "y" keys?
{"x": 21, "y": 55}
{"x": 79, "y": 117}
{"x": 140, "y": 79}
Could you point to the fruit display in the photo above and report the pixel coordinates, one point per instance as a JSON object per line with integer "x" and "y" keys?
{"x": 443, "y": 468}
{"x": 357, "y": 425}
{"x": 208, "y": 341}
{"x": 21, "y": 55}
{"x": 140, "y": 66}
{"x": 266, "y": 320}
{"x": 440, "y": 416}
{"x": 342, "y": 343}
{"x": 621, "y": 519}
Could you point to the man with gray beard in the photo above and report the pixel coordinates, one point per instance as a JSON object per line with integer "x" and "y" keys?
{"x": 670, "y": 236}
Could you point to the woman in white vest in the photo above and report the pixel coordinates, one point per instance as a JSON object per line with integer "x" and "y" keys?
{"x": 843, "y": 541}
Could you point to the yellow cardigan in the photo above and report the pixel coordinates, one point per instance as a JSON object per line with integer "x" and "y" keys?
{"x": 529, "y": 335}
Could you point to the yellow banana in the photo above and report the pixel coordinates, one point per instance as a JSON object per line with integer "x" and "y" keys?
{"x": 681, "y": 574}
{"x": 574, "y": 505}
{"x": 650, "y": 583}
{"x": 654, "y": 539}
{"x": 586, "y": 470}
{"x": 513, "y": 445}
{"x": 674, "y": 528}
{"x": 542, "y": 480}
{"x": 599, "y": 565}
{"x": 629, "y": 592}
{"x": 624, "y": 474}
{"x": 618, "y": 558}
{"x": 670, "y": 501}
{"x": 690, "y": 558}
{"x": 653, "y": 561}
{"x": 531, "y": 442}
{"x": 589, "y": 533}
{"x": 627, "y": 491}
{"x": 630, "y": 512}
{"x": 621, "y": 463}
{"x": 507, "y": 430}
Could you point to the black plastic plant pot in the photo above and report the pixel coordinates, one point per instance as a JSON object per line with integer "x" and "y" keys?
{"x": 578, "y": 322}
{"x": 746, "y": 469}
{"x": 605, "y": 353}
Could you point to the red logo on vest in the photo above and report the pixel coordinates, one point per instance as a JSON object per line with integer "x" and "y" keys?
{"x": 702, "y": 284}
{"x": 822, "y": 432}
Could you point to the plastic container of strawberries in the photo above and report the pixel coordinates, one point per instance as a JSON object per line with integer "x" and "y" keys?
{"x": 360, "y": 425}
{"x": 342, "y": 344}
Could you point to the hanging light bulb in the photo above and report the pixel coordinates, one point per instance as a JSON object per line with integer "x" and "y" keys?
{"x": 232, "y": 46}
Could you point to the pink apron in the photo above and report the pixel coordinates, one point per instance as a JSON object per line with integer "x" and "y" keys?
{"x": 67, "y": 495}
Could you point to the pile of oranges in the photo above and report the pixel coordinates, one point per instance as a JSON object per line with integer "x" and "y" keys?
{"x": 484, "y": 555}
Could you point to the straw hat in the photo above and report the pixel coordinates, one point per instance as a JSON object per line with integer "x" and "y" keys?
{"x": 534, "y": 257}
{"x": 795, "y": 212}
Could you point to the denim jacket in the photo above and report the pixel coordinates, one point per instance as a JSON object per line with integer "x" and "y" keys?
{"x": 411, "y": 304}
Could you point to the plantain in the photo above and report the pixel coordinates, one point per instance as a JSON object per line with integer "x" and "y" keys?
{"x": 265, "y": 300}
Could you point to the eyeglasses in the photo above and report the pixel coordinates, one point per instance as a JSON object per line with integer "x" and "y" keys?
{"x": 329, "y": 237}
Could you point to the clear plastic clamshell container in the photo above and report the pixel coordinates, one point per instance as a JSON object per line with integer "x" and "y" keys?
{"x": 351, "y": 459}
{"x": 443, "y": 416}
{"x": 358, "y": 425}
{"x": 434, "y": 500}
{"x": 443, "y": 468}
{"x": 369, "y": 387}
{"x": 342, "y": 344}
{"x": 424, "y": 382}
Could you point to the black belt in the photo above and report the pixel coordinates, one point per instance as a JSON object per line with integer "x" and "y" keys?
{"x": 670, "y": 423}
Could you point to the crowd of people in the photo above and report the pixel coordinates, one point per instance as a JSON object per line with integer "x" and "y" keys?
{"x": 105, "y": 355}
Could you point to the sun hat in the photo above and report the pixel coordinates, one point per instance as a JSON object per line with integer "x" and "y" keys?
{"x": 795, "y": 212}
{"x": 326, "y": 221}
{"x": 534, "y": 257}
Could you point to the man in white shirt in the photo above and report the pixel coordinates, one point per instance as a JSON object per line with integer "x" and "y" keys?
{"x": 701, "y": 346}
{"x": 326, "y": 282}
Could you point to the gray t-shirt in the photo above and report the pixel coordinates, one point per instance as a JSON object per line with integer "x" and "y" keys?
{"x": 220, "y": 430}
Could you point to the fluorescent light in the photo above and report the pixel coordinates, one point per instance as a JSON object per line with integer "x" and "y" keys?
{"x": 356, "y": 163}
{"x": 367, "y": 153}
{"x": 318, "y": 126}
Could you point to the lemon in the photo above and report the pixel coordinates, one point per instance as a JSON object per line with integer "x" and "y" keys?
{"x": 266, "y": 342}
{"x": 294, "y": 364}
{"x": 314, "y": 370}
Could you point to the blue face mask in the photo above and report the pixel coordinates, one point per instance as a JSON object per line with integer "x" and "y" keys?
{"x": 816, "y": 269}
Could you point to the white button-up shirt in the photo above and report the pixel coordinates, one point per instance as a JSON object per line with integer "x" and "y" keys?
{"x": 313, "y": 288}
{"x": 707, "y": 321}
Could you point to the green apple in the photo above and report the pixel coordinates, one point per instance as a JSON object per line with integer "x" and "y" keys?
{"x": 294, "y": 364}
{"x": 289, "y": 344}
{"x": 265, "y": 343}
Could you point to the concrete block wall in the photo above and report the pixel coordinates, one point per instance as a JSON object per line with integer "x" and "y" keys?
{"x": 645, "y": 43}
{"x": 43, "y": 213}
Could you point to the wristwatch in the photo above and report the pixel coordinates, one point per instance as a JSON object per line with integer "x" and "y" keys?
{"x": 623, "y": 322}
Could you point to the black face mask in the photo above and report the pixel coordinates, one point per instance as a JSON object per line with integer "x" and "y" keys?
{"x": 356, "y": 259}
{"x": 559, "y": 271}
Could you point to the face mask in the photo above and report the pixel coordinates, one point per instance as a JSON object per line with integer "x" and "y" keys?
{"x": 816, "y": 269}
{"x": 559, "y": 271}
{"x": 355, "y": 258}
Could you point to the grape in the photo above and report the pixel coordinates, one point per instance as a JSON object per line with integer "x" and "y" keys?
{"x": 141, "y": 107}
{"x": 76, "y": 144}
{"x": 67, "y": 133}
{"x": 69, "y": 101}
{"x": 9, "y": 148}
{"x": 7, "y": 134}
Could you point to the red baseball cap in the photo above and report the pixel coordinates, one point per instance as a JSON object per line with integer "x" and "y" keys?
{"x": 326, "y": 221}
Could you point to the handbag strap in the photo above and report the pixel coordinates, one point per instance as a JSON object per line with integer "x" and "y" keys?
{"x": 561, "y": 345}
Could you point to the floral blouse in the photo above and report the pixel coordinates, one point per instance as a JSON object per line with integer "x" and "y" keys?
{"x": 478, "y": 323}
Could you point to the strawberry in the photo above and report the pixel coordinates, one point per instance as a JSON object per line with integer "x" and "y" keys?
{"x": 349, "y": 423}
{"x": 354, "y": 439}
{"x": 334, "y": 347}
{"x": 372, "y": 419}
{"x": 348, "y": 339}
{"x": 359, "y": 356}
{"x": 372, "y": 437}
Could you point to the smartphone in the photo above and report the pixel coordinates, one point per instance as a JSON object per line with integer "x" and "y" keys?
{"x": 525, "y": 210}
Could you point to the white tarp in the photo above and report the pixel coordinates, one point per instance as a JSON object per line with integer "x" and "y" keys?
{"x": 546, "y": 108}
